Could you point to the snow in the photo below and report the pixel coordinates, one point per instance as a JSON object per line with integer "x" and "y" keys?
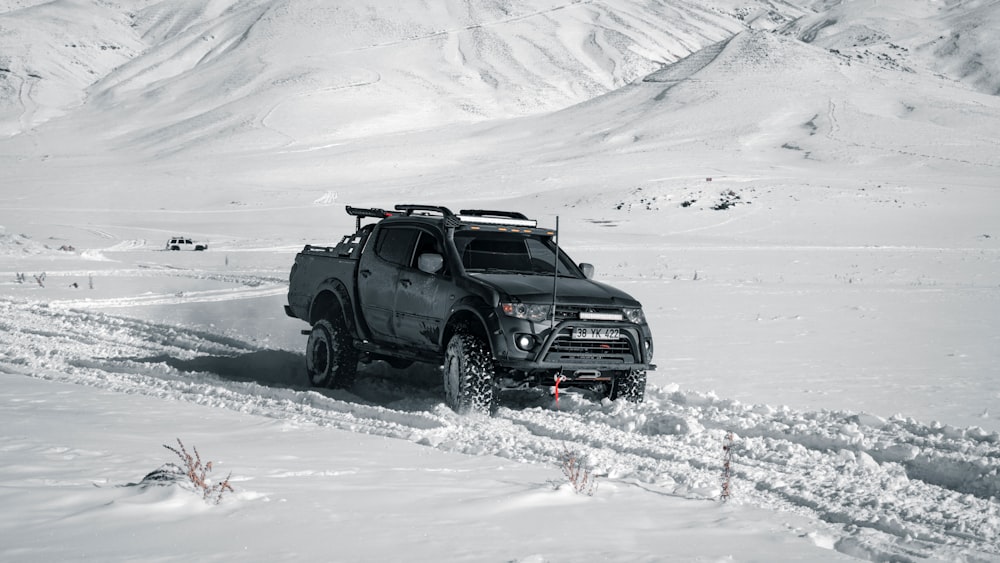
{"x": 307, "y": 491}
{"x": 806, "y": 206}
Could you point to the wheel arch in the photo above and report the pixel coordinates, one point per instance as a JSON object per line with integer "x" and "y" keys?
{"x": 332, "y": 300}
{"x": 474, "y": 316}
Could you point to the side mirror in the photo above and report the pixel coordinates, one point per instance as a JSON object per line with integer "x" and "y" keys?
{"x": 588, "y": 270}
{"x": 430, "y": 263}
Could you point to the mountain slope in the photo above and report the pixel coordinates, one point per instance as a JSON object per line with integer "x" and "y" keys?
{"x": 293, "y": 72}
{"x": 50, "y": 53}
{"x": 955, "y": 39}
{"x": 759, "y": 95}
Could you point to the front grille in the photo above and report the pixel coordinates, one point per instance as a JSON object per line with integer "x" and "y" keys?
{"x": 565, "y": 349}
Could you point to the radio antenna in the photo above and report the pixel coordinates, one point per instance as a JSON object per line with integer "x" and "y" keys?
{"x": 555, "y": 273}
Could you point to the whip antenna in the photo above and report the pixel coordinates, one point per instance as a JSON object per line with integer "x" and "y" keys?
{"x": 555, "y": 273}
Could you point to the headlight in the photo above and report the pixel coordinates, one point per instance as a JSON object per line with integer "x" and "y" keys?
{"x": 635, "y": 316}
{"x": 533, "y": 313}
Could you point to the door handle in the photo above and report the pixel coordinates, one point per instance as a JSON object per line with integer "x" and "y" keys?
{"x": 405, "y": 282}
{"x": 365, "y": 273}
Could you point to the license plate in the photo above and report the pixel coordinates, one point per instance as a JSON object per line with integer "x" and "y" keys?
{"x": 590, "y": 333}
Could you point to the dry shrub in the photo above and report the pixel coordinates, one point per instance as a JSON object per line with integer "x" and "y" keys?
{"x": 577, "y": 473}
{"x": 197, "y": 473}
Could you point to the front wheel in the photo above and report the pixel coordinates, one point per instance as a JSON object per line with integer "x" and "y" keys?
{"x": 331, "y": 358}
{"x": 630, "y": 386}
{"x": 469, "y": 383}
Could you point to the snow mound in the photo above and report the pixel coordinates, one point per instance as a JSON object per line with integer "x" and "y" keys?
{"x": 22, "y": 245}
{"x": 326, "y": 199}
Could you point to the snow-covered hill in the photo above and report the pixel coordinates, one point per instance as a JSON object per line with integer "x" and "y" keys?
{"x": 175, "y": 74}
{"x": 803, "y": 194}
{"x": 161, "y": 77}
{"x": 952, "y": 38}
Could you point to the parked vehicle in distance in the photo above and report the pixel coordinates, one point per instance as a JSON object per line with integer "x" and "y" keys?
{"x": 185, "y": 243}
{"x": 488, "y": 295}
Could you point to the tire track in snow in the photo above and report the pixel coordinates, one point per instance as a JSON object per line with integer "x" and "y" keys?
{"x": 797, "y": 470}
{"x": 133, "y": 356}
{"x": 894, "y": 488}
{"x": 204, "y": 296}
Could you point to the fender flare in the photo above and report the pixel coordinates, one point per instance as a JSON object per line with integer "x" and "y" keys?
{"x": 482, "y": 319}
{"x": 339, "y": 300}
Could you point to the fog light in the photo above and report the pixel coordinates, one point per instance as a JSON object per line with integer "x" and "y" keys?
{"x": 525, "y": 341}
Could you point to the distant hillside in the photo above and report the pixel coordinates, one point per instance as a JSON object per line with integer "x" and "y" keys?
{"x": 957, "y": 39}
{"x": 157, "y": 78}
{"x": 296, "y": 71}
{"x": 765, "y": 97}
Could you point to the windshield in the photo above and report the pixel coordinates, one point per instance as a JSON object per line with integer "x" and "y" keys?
{"x": 493, "y": 252}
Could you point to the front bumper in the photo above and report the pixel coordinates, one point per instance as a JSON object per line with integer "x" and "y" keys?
{"x": 557, "y": 351}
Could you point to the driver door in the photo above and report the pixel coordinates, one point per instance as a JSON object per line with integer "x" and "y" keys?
{"x": 378, "y": 278}
{"x": 423, "y": 299}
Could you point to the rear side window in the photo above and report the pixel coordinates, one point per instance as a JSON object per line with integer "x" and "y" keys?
{"x": 396, "y": 245}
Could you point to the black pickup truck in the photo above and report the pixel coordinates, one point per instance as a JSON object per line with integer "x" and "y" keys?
{"x": 488, "y": 295}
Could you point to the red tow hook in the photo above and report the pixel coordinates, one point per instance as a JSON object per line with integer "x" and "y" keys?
{"x": 559, "y": 378}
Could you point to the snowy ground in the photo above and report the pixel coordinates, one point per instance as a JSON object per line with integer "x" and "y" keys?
{"x": 188, "y": 346}
{"x": 811, "y": 227}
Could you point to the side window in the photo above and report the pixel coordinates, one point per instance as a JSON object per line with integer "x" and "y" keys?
{"x": 396, "y": 245}
{"x": 426, "y": 244}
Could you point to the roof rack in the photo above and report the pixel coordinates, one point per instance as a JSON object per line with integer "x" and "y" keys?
{"x": 450, "y": 219}
{"x": 481, "y": 216}
{"x": 373, "y": 212}
{"x": 492, "y": 213}
{"x": 409, "y": 209}
{"x": 368, "y": 212}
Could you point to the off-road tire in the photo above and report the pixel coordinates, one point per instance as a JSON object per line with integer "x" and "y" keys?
{"x": 469, "y": 382}
{"x": 630, "y": 386}
{"x": 331, "y": 358}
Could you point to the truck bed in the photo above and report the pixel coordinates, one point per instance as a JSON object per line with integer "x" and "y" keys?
{"x": 316, "y": 266}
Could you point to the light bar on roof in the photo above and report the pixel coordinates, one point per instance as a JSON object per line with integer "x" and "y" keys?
{"x": 498, "y": 221}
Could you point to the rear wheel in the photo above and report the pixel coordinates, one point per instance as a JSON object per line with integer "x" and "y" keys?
{"x": 630, "y": 386}
{"x": 469, "y": 383}
{"x": 331, "y": 358}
